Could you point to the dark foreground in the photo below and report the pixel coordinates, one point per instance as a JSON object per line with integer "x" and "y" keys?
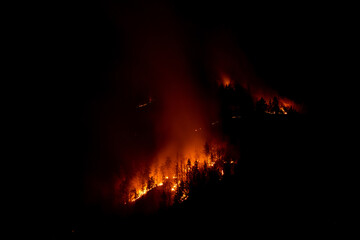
{"x": 284, "y": 184}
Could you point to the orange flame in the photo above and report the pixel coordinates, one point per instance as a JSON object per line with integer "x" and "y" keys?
{"x": 225, "y": 80}
{"x": 169, "y": 174}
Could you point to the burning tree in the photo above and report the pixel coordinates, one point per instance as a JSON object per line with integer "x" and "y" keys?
{"x": 150, "y": 183}
{"x": 274, "y": 106}
{"x": 178, "y": 181}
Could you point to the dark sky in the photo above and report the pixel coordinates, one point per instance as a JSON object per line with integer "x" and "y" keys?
{"x": 281, "y": 42}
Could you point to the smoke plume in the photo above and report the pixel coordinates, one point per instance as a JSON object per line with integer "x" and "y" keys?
{"x": 154, "y": 108}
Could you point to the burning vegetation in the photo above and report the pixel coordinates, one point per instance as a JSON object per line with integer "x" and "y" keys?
{"x": 176, "y": 178}
{"x": 183, "y": 115}
{"x": 203, "y": 157}
{"x": 274, "y": 106}
{"x": 166, "y": 143}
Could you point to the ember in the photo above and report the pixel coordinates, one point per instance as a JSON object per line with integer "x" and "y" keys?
{"x": 210, "y": 159}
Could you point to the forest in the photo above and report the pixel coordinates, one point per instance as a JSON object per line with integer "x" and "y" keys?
{"x": 254, "y": 171}
{"x": 177, "y": 179}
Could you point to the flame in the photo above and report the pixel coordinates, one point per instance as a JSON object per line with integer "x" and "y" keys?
{"x": 180, "y": 169}
{"x": 259, "y": 90}
{"x": 224, "y": 80}
{"x": 184, "y": 150}
{"x": 177, "y": 110}
{"x": 285, "y": 105}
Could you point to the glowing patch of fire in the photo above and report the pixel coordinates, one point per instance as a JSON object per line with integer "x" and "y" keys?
{"x": 213, "y": 160}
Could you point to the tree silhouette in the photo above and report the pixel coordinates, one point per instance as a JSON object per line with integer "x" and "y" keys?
{"x": 188, "y": 166}
{"x": 178, "y": 198}
{"x": 261, "y": 106}
{"x": 291, "y": 110}
{"x": 150, "y": 183}
{"x": 205, "y": 168}
{"x": 274, "y": 106}
{"x": 195, "y": 172}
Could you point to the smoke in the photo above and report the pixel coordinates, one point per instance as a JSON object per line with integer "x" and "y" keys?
{"x": 159, "y": 102}
{"x": 230, "y": 66}
{"x": 153, "y": 108}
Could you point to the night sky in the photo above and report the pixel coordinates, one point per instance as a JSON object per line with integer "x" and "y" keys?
{"x": 109, "y": 54}
{"x": 281, "y": 43}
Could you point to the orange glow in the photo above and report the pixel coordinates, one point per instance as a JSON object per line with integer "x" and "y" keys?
{"x": 285, "y": 105}
{"x": 225, "y": 80}
{"x": 257, "y": 89}
{"x": 179, "y": 170}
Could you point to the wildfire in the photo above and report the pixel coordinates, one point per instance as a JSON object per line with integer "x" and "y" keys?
{"x": 276, "y": 105}
{"x": 212, "y": 159}
{"x": 185, "y": 158}
{"x": 174, "y": 173}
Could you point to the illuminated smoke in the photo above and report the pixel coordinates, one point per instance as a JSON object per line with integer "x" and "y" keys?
{"x": 157, "y": 112}
{"x": 230, "y": 67}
